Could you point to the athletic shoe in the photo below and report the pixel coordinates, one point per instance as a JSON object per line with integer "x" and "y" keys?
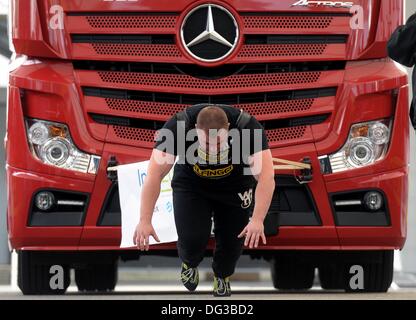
{"x": 222, "y": 287}
{"x": 189, "y": 277}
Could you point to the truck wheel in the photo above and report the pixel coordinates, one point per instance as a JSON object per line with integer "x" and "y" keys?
{"x": 291, "y": 275}
{"x": 35, "y": 277}
{"x": 331, "y": 277}
{"x": 97, "y": 277}
{"x": 378, "y": 274}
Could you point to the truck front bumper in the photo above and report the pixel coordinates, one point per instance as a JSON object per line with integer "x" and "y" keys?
{"x": 90, "y": 235}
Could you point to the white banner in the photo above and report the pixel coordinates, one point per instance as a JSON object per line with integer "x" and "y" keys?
{"x": 131, "y": 178}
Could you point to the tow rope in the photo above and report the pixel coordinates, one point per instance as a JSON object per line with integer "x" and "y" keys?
{"x": 288, "y": 165}
{"x": 305, "y": 168}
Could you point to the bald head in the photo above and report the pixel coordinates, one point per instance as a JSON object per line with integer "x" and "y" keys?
{"x": 212, "y": 117}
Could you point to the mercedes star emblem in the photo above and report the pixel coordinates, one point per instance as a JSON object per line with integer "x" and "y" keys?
{"x": 209, "y": 33}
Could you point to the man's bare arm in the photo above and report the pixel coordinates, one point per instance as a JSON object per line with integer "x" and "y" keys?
{"x": 159, "y": 166}
{"x": 261, "y": 164}
{"x": 262, "y": 168}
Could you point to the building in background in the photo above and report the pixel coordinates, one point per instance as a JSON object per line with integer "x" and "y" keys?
{"x": 4, "y": 60}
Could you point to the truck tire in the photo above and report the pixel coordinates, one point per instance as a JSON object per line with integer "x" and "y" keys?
{"x": 378, "y": 273}
{"x": 34, "y": 276}
{"x": 291, "y": 275}
{"x": 97, "y": 277}
{"x": 331, "y": 277}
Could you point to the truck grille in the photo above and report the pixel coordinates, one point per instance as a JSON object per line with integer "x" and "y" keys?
{"x": 156, "y": 125}
{"x": 290, "y": 21}
{"x": 168, "y": 20}
{"x": 257, "y": 104}
{"x": 140, "y": 114}
{"x": 146, "y": 136}
{"x": 122, "y": 38}
{"x": 249, "y": 78}
{"x": 286, "y": 73}
{"x": 276, "y": 36}
{"x": 109, "y": 90}
{"x": 185, "y": 81}
{"x": 131, "y": 21}
{"x": 166, "y": 109}
{"x": 79, "y": 21}
{"x": 255, "y": 45}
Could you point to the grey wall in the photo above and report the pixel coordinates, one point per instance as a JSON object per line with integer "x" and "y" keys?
{"x": 4, "y": 251}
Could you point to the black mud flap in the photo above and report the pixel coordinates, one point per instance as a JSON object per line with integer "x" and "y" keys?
{"x": 271, "y": 224}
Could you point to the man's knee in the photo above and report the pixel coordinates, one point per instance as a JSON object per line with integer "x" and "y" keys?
{"x": 190, "y": 253}
{"x": 230, "y": 249}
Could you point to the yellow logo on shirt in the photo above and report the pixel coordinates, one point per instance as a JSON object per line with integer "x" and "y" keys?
{"x": 213, "y": 173}
{"x": 213, "y": 158}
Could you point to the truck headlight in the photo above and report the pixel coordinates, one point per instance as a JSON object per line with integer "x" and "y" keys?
{"x": 51, "y": 143}
{"x": 56, "y": 151}
{"x": 367, "y": 143}
{"x": 360, "y": 152}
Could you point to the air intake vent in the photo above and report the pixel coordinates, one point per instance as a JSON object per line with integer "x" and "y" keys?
{"x": 256, "y": 20}
{"x": 156, "y": 125}
{"x": 123, "y": 39}
{"x": 129, "y": 20}
{"x": 295, "y": 39}
{"x": 214, "y": 99}
{"x": 168, "y": 109}
{"x": 211, "y": 72}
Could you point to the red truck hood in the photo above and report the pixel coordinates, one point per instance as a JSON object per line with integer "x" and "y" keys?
{"x": 373, "y": 23}
{"x": 315, "y": 40}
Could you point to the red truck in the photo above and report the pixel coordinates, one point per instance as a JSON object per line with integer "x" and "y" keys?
{"x": 92, "y": 82}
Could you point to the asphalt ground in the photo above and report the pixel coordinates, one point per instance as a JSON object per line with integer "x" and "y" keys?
{"x": 170, "y": 290}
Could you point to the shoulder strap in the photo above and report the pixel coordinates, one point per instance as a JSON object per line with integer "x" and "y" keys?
{"x": 183, "y": 117}
{"x": 243, "y": 119}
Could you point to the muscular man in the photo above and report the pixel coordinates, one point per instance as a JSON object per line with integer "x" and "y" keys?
{"x": 223, "y": 155}
{"x": 402, "y": 48}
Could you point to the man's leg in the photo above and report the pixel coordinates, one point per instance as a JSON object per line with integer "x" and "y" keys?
{"x": 229, "y": 221}
{"x": 193, "y": 222}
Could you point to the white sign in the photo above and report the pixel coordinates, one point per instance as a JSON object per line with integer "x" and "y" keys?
{"x": 131, "y": 178}
{"x": 4, "y": 6}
